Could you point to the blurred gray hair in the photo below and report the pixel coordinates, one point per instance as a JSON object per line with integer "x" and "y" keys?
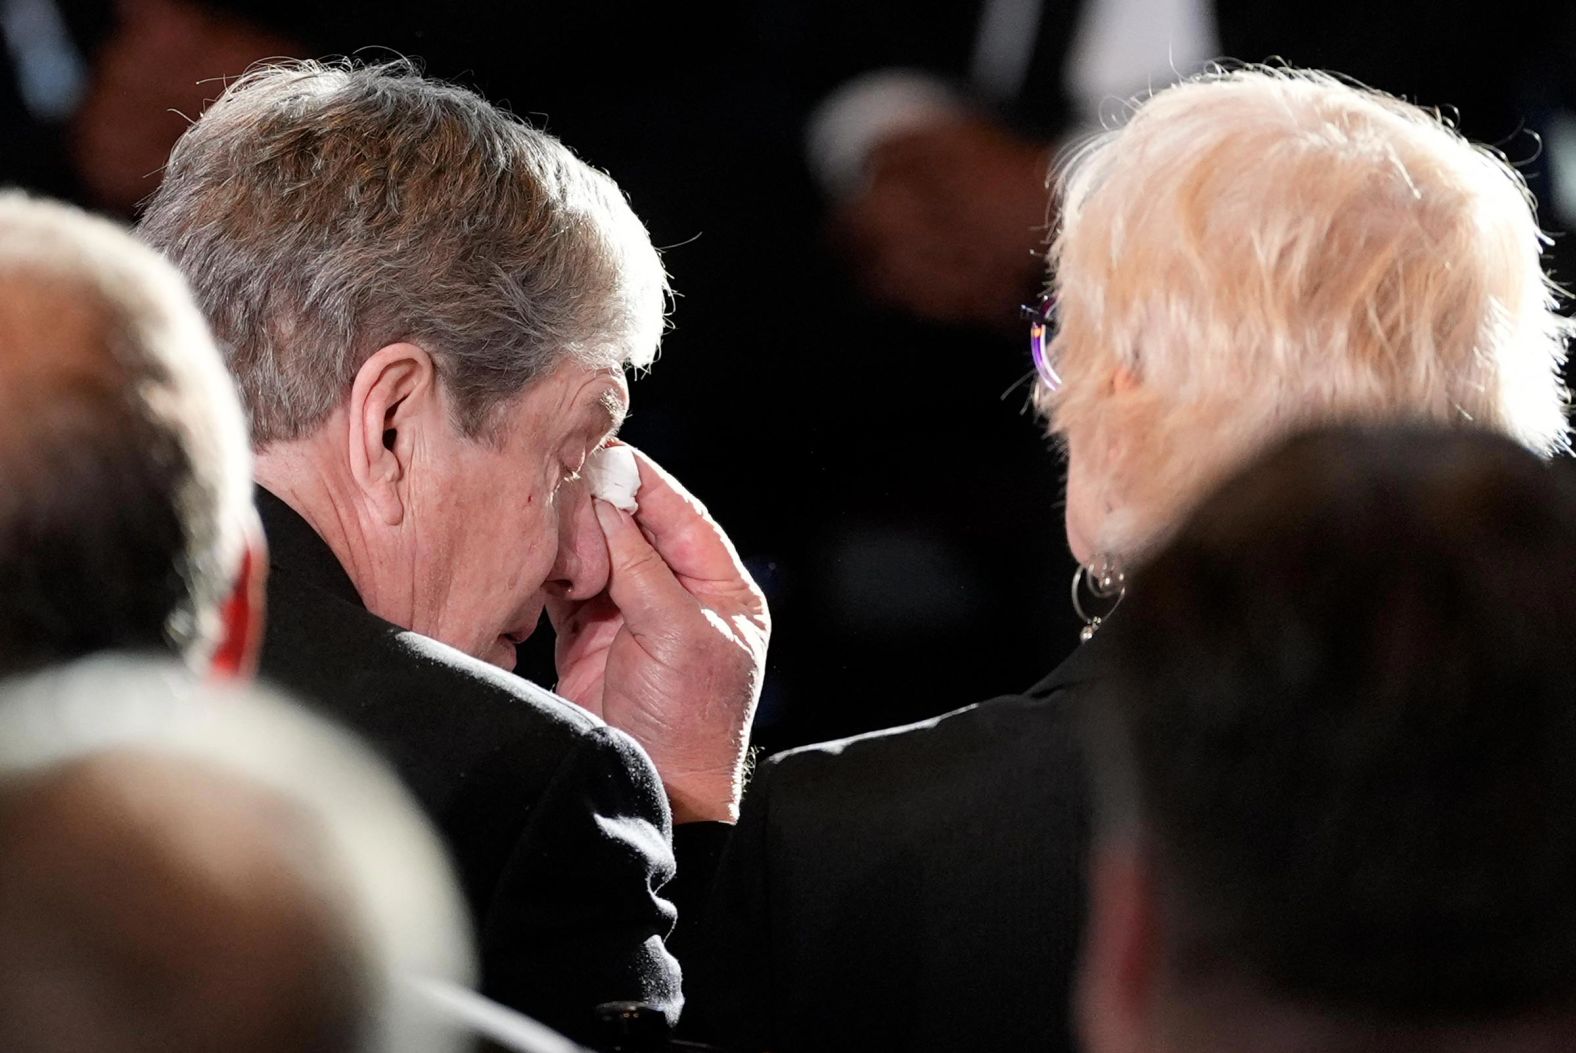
{"x": 324, "y": 210}
{"x": 125, "y": 479}
{"x": 382, "y": 861}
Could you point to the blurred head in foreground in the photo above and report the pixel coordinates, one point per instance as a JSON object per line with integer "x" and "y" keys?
{"x": 126, "y": 517}
{"x": 1261, "y": 250}
{"x": 1333, "y": 765}
{"x": 187, "y": 867}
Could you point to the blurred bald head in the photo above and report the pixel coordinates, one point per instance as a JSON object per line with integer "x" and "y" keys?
{"x": 156, "y": 903}
{"x": 189, "y": 866}
{"x": 124, "y": 473}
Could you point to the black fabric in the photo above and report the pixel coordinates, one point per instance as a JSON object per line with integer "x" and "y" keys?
{"x": 557, "y": 825}
{"x": 916, "y": 889}
{"x": 698, "y": 848}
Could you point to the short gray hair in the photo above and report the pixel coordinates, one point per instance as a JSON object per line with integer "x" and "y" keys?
{"x": 125, "y": 479}
{"x": 324, "y": 210}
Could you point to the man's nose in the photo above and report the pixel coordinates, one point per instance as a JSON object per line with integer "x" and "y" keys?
{"x": 581, "y": 569}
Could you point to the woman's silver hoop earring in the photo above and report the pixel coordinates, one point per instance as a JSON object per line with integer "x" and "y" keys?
{"x": 1104, "y": 581}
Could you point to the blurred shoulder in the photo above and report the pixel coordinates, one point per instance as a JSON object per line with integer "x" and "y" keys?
{"x": 977, "y": 744}
{"x": 968, "y": 745}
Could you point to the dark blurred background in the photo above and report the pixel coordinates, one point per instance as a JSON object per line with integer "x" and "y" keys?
{"x": 868, "y": 451}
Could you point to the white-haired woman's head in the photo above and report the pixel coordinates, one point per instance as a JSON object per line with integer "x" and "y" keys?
{"x": 1258, "y": 249}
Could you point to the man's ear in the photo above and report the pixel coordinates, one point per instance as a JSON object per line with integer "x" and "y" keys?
{"x": 1118, "y": 975}
{"x": 243, "y": 612}
{"x": 394, "y": 395}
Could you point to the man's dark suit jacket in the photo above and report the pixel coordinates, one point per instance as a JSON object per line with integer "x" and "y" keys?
{"x": 913, "y": 889}
{"x": 557, "y": 824}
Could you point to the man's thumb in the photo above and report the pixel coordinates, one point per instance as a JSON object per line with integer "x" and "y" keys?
{"x": 639, "y": 581}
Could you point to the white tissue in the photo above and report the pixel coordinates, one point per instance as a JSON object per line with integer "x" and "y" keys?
{"x": 614, "y": 476}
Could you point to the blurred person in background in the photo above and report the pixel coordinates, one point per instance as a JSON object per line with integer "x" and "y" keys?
{"x": 933, "y": 140}
{"x": 93, "y": 93}
{"x": 429, "y": 306}
{"x": 126, "y": 518}
{"x": 187, "y": 867}
{"x": 1252, "y": 252}
{"x": 1333, "y": 790}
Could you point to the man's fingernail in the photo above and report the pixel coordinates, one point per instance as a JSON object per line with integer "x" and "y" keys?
{"x": 606, "y": 514}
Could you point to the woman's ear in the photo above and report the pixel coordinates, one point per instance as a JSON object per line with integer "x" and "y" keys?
{"x": 394, "y": 397}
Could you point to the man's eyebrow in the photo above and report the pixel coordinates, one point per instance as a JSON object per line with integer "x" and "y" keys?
{"x": 612, "y": 410}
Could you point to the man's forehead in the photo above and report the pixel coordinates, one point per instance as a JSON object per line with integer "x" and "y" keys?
{"x": 574, "y": 399}
{"x": 611, "y": 407}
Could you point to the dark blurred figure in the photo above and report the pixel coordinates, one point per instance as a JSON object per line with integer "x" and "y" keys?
{"x": 931, "y": 136}
{"x": 44, "y": 49}
{"x": 150, "y": 77}
{"x": 192, "y": 869}
{"x": 126, "y": 519}
{"x": 1334, "y": 789}
{"x": 93, "y": 93}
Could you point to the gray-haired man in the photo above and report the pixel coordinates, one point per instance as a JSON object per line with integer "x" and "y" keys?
{"x": 428, "y": 307}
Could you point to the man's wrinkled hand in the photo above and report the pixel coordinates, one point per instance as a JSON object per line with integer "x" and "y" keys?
{"x": 674, "y": 650}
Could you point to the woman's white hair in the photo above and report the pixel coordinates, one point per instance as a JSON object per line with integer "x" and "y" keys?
{"x": 1259, "y": 249}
